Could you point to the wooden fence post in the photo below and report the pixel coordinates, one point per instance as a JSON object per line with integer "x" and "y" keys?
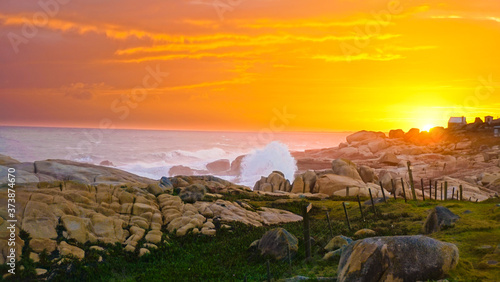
{"x": 383, "y": 193}
{"x": 423, "y": 193}
{"x": 446, "y": 190}
{"x": 329, "y": 224}
{"x": 412, "y": 185}
{"x": 435, "y": 190}
{"x": 430, "y": 189}
{"x": 346, "y": 216}
{"x": 307, "y": 231}
{"x": 393, "y": 188}
{"x": 373, "y": 204}
{"x": 403, "y": 185}
{"x": 361, "y": 209}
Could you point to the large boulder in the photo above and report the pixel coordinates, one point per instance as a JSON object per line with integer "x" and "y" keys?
{"x": 193, "y": 193}
{"x": 439, "y": 217}
{"x": 219, "y": 166}
{"x": 389, "y": 159}
{"x": 309, "y": 180}
{"x": 298, "y": 185}
{"x": 166, "y": 183}
{"x": 488, "y": 178}
{"x": 155, "y": 189}
{"x": 39, "y": 220}
{"x": 22, "y": 177}
{"x": 361, "y": 152}
{"x": 276, "y": 181}
{"x": 330, "y": 183}
{"x": 378, "y": 145}
{"x": 338, "y": 242}
{"x": 181, "y": 170}
{"x": 437, "y": 134}
{"x": 367, "y": 174}
{"x": 236, "y": 165}
{"x": 85, "y": 173}
{"x": 396, "y": 134}
{"x": 77, "y": 228}
{"x": 411, "y": 134}
{"x": 345, "y": 168}
{"x": 364, "y": 135}
{"x": 278, "y": 243}
{"x": 387, "y": 178}
{"x": 66, "y": 249}
{"x": 40, "y": 244}
{"x": 398, "y": 258}
{"x": 6, "y": 160}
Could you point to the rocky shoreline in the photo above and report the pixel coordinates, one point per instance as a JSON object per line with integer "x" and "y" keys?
{"x": 61, "y": 204}
{"x": 59, "y": 201}
{"x": 369, "y": 160}
{"x": 467, "y": 157}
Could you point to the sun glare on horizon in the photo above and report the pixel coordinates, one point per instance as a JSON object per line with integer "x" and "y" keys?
{"x": 427, "y": 127}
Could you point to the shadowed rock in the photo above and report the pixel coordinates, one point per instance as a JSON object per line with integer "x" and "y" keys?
{"x": 276, "y": 243}
{"x": 440, "y": 217}
{"x": 193, "y": 193}
{"x": 398, "y": 258}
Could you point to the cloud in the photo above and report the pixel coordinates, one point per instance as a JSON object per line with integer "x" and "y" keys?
{"x": 359, "y": 57}
{"x": 467, "y": 17}
{"x": 81, "y": 91}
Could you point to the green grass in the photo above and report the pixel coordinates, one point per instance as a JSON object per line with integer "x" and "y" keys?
{"x": 225, "y": 257}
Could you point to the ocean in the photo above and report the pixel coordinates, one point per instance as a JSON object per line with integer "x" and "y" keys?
{"x": 151, "y": 153}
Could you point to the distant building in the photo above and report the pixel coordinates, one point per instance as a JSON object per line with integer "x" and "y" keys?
{"x": 488, "y": 120}
{"x": 497, "y": 131}
{"x": 456, "y": 122}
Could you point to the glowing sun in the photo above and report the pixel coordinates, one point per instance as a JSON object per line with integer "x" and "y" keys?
{"x": 427, "y": 127}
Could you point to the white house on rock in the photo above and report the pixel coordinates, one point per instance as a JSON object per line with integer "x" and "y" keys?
{"x": 457, "y": 122}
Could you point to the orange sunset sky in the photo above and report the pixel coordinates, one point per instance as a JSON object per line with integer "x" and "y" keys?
{"x": 334, "y": 65}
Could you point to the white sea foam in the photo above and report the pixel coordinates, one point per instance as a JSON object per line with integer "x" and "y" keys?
{"x": 261, "y": 162}
{"x": 207, "y": 154}
{"x": 153, "y": 153}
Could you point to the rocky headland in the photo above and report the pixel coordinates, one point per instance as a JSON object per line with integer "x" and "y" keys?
{"x": 468, "y": 157}
{"x": 65, "y": 205}
{"x": 59, "y": 201}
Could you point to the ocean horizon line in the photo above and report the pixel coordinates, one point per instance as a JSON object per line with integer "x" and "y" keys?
{"x": 183, "y": 130}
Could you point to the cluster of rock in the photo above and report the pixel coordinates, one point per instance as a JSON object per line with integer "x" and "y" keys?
{"x": 343, "y": 179}
{"x": 218, "y": 167}
{"x": 396, "y": 258}
{"x": 434, "y": 155}
{"x": 102, "y": 204}
{"x": 389, "y": 258}
{"x": 438, "y": 155}
{"x": 275, "y": 182}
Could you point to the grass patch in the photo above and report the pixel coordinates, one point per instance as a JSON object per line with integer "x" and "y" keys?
{"x": 225, "y": 256}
